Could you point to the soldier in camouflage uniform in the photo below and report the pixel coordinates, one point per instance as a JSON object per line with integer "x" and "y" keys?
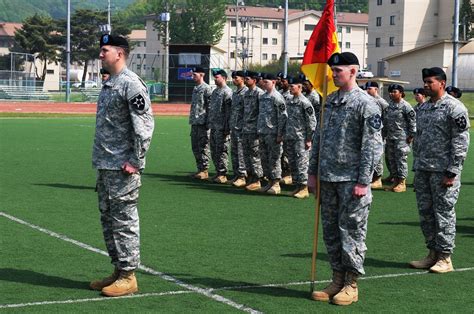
{"x": 270, "y": 126}
{"x": 250, "y": 139}
{"x": 236, "y": 122}
{"x": 298, "y": 135}
{"x": 399, "y": 130}
{"x": 218, "y": 122}
{"x": 198, "y": 121}
{"x": 440, "y": 148}
{"x": 348, "y": 148}
{"x": 372, "y": 89}
{"x": 124, "y": 127}
{"x": 284, "y": 89}
{"x": 312, "y": 96}
{"x": 420, "y": 98}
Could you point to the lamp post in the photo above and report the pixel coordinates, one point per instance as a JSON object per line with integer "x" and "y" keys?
{"x": 165, "y": 17}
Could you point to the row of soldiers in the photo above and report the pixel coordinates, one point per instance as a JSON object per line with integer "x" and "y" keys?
{"x": 268, "y": 122}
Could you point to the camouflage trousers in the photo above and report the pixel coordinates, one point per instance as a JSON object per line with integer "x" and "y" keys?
{"x": 285, "y": 163}
{"x": 270, "y": 153}
{"x": 219, "y": 151}
{"x": 344, "y": 220}
{"x": 253, "y": 163}
{"x": 118, "y": 199}
{"x": 396, "y": 153}
{"x": 237, "y": 154}
{"x": 200, "y": 146}
{"x": 298, "y": 158}
{"x": 378, "y": 170}
{"x": 436, "y": 209}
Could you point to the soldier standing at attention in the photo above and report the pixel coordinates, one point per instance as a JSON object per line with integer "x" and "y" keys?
{"x": 236, "y": 121}
{"x": 372, "y": 89}
{"x": 284, "y": 90}
{"x": 312, "y": 96}
{"x": 420, "y": 98}
{"x": 298, "y": 135}
{"x": 349, "y": 149}
{"x": 270, "y": 126}
{"x": 218, "y": 122}
{"x": 198, "y": 121}
{"x": 440, "y": 148}
{"x": 124, "y": 127}
{"x": 399, "y": 129}
{"x": 249, "y": 132}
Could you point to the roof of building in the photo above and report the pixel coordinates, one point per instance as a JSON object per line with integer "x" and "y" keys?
{"x": 9, "y": 29}
{"x": 137, "y": 34}
{"x": 468, "y": 48}
{"x": 417, "y": 49}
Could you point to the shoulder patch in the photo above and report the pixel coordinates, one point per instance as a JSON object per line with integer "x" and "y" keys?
{"x": 461, "y": 122}
{"x": 375, "y": 121}
{"x": 282, "y": 107}
{"x": 138, "y": 102}
{"x": 411, "y": 114}
{"x": 309, "y": 110}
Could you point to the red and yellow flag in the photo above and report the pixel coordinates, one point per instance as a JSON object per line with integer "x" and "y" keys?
{"x": 321, "y": 45}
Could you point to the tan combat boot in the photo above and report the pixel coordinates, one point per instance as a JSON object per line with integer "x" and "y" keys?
{"x": 400, "y": 186}
{"x": 388, "y": 179}
{"x": 201, "y": 175}
{"x": 303, "y": 192}
{"x": 266, "y": 187}
{"x": 102, "y": 283}
{"x": 125, "y": 284}
{"x": 349, "y": 292}
{"x": 239, "y": 182}
{"x": 254, "y": 186}
{"x": 330, "y": 291}
{"x": 275, "y": 187}
{"x": 287, "y": 180}
{"x": 443, "y": 264}
{"x": 377, "y": 184}
{"x": 221, "y": 179}
{"x": 426, "y": 262}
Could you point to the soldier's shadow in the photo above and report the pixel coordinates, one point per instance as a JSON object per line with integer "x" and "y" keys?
{"x": 35, "y": 278}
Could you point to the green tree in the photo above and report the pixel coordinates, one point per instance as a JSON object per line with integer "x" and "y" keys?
{"x": 38, "y": 36}
{"x": 192, "y": 21}
{"x": 277, "y": 66}
{"x": 466, "y": 19}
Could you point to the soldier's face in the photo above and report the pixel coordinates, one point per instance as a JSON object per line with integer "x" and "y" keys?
{"x": 295, "y": 89}
{"x": 197, "y": 77}
{"x": 372, "y": 91}
{"x": 249, "y": 82}
{"x": 342, "y": 75}
{"x": 433, "y": 86}
{"x": 268, "y": 85}
{"x": 307, "y": 87}
{"x": 419, "y": 98}
{"x": 395, "y": 95}
{"x": 109, "y": 55}
{"x": 237, "y": 80}
{"x": 219, "y": 80}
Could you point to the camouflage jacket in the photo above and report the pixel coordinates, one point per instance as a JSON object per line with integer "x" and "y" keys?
{"x": 351, "y": 141}
{"x": 237, "y": 109}
{"x": 251, "y": 107}
{"x": 200, "y": 104}
{"x": 124, "y": 123}
{"x": 219, "y": 109}
{"x": 272, "y": 114}
{"x": 399, "y": 121}
{"x": 301, "y": 120}
{"x": 442, "y": 136}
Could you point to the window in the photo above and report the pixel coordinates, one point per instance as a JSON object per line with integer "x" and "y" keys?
{"x": 378, "y": 21}
{"x": 377, "y": 42}
{"x": 139, "y": 56}
{"x": 274, "y": 41}
{"x": 348, "y": 29}
{"x": 264, "y": 56}
{"x": 274, "y": 56}
{"x": 265, "y": 41}
{"x": 139, "y": 67}
{"x": 265, "y": 25}
{"x": 274, "y": 25}
{"x": 232, "y": 55}
{"x": 348, "y": 44}
{"x": 144, "y": 44}
{"x": 339, "y": 29}
{"x": 306, "y": 42}
{"x": 392, "y": 19}
{"x": 391, "y": 41}
{"x": 233, "y": 23}
{"x": 309, "y": 27}
{"x": 49, "y": 71}
{"x": 340, "y": 44}
{"x": 393, "y": 1}
{"x": 232, "y": 39}
{"x": 379, "y": 2}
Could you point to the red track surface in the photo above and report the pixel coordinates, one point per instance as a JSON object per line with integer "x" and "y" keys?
{"x": 83, "y": 108}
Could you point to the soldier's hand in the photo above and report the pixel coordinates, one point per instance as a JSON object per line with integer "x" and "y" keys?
{"x": 409, "y": 139}
{"x": 128, "y": 168}
{"x": 448, "y": 182}
{"x": 307, "y": 145}
{"x": 312, "y": 183}
{"x": 360, "y": 190}
{"x": 279, "y": 139}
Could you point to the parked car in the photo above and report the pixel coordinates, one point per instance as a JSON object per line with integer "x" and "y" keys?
{"x": 364, "y": 74}
{"x": 87, "y": 84}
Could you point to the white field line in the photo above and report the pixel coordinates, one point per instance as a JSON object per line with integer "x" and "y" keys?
{"x": 206, "y": 292}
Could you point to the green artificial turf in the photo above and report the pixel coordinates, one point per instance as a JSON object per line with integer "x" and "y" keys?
{"x": 206, "y": 235}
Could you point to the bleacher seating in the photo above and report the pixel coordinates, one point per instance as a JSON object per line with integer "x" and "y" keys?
{"x": 90, "y": 94}
{"x": 23, "y": 93}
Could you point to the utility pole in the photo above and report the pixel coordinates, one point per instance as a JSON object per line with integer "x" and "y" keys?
{"x": 236, "y": 33}
{"x": 454, "y": 79}
{"x": 165, "y": 17}
{"x": 108, "y": 19}
{"x": 68, "y": 53}
{"x": 285, "y": 45}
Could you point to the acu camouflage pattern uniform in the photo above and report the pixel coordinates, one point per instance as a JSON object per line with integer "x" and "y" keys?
{"x": 314, "y": 99}
{"x": 124, "y": 127}
{"x": 383, "y": 105}
{"x": 440, "y": 146}
{"x": 198, "y": 121}
{"x": 351, "y": 147}
{"x": 236, "y": 123}
{"x": 399, "y": 121}
{"x": 271, "y": 122}
{"x": 299, "y": 129}
{"x": 249, "y": 132}
{"x": 218, "y": 122}
{"x": 285, "y": 164}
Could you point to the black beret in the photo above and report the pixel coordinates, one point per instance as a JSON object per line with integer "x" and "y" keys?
{"x": 238, "y": 73}
{"x": 112, "y": 40}
{"x": 363, "y": 87}
{"x": 104, "y": 71}
{"x": 294, "y": 80}
{"x": 435, "y": 71}
{"x": 398, "y": 87}
{"x": 371, "y": 84}
{"x": 268, "y": 76}
{"x": 419, "y": 90}
{"x": 198, "y": 70}
{"x": 282, "y": 75}
{"x": 219, "y": 72}
{"x": 251, "y": 74}
{"x": 345, "y": 58}
{"x": 455, "y": 90}
{"x": 302, "y": 77}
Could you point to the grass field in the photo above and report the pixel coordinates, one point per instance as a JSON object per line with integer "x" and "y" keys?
{"x": 205, "y": 248}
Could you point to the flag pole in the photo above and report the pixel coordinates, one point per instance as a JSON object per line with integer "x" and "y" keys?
{"x": 318, "y": 179}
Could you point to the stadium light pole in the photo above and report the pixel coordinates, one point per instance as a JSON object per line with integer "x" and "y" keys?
{"x": 454, "y": 78}
{"x": 285, "y": 46}
{"x": 68, "y": 53}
